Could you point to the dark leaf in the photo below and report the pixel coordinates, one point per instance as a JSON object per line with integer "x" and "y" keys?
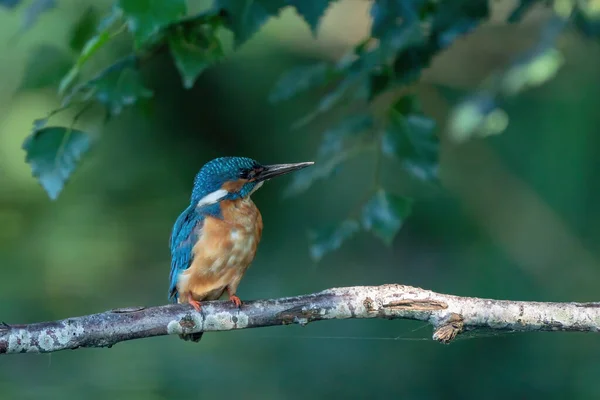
{"x": 588, "y": 22}
{"x": 402, "y": 44}
{"x": 300, "y": 79}
{"x": 39, "y": 123}
{"x": 34, "y": 11}
{"x": 194, "y": 52}
{"x": 520, "y": 10}
{"x": 338, "y": 144}
{"x": 410, "y": 62}
{"x": 356, "y": 68}
{"x": 245, "y": 17}
{"x": 333, "y": 97}
{"x": 9, "y": 3}
{"x": 345, "y": 135}
{"x": 410, "y": 137}
{"x": 53, "y": 153}
{"x": 84, "y": 30}
{"x": 388, "y": 14}
{"x": 400, "y": 39}
{"x": 46, "y": 65}
{"x": 326, "y": 241}
{"x": 384, "y": 214}
{"x": 379, "y": 81}
{"x": 397, "y": 26}
{"x": 312, "y": 11}
{"x": 456, "y": 18}
{"x": 119, "y": 88}
{"x": 145, "y": 18}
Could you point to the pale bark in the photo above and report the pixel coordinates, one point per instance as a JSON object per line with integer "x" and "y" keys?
{"x": 449, "y": 315}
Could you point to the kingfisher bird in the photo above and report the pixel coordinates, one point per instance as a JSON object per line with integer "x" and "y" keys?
{"x": 214, "y": 240}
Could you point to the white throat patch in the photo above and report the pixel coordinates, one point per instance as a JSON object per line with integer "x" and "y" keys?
{"x": 258, "y": 185}
{"x": 212, "y": 198}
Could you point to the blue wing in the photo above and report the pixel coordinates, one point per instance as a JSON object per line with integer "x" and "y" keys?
{"x": 184, "y": 236}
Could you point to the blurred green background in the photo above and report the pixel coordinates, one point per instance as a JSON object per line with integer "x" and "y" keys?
{"x": 517, "y": 217}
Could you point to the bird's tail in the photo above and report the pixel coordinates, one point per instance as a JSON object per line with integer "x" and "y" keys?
{"x": 192, "y": 337}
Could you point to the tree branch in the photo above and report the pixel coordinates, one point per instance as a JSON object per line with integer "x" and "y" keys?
{"x": 449, "y": 316}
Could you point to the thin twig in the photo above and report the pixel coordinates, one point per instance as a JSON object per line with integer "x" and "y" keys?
{"x": 449, "y": 315}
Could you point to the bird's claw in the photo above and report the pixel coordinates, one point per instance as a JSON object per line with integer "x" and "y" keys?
{"x": 236, "y": 300}
{"x": 195, "y": 304}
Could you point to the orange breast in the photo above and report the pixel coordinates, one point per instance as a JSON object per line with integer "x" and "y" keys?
{"x": 224, "y": 251}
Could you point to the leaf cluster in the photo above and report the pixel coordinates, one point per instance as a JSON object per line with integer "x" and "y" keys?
{"x": 405, "y": 36}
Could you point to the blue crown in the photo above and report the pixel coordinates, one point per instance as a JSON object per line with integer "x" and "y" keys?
{"x": 216, "y": 172}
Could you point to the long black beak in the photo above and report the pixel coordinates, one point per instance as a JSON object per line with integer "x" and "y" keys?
{"x": 271, "y": 171}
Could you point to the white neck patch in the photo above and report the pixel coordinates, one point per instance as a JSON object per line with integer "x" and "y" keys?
{"x": 212, "y": 198}
{"x": 258, "y": 185}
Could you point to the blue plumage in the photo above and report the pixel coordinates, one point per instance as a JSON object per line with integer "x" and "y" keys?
{"x": 183, "y": 238}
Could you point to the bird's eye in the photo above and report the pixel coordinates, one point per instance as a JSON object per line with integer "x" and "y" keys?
{"x": 246, "y": 174}
{"x": 250, "y": 174}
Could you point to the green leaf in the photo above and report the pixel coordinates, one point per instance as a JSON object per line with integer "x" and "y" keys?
{"x": 194, "y": 52}
{"x": 245, "y": 17}
{"x": 68, "y": 80}
{"x": 300, "y": 79}
{"x": 367, "y": 67}
{"x": 84, "y": 30}
{"x": 34, "y": 11}
{"x": 533, "y": 69}
{"x": 355, "y": 68}
{"x": 410, "y": 137}
{"x": 326, "y": 241}
{"x": 384, "y": 214}
{"x": 397, "y": 23}
{"x": 477, "y": 115}
{"x": 45, "y": 66}
{"x": 145, "y": 18}
{"x": 339, "y": 144}
{"x": 312, "y": 11}
{"x": 119, "y": 88}
{"x": 90, "y": 47}
{"x": 53, "y": 154}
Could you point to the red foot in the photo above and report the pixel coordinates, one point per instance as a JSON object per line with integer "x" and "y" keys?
{"x": 195, "y": 304}
{"x": 236, "y": 300}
